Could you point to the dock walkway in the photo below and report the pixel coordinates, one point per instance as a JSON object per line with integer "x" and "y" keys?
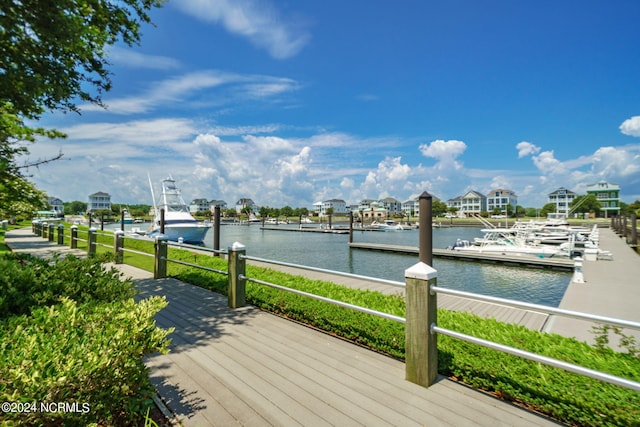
{"x": 248, "y": 367}
{"x": 611, "y": 288}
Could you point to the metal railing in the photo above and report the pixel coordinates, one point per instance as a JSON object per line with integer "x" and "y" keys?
{"x": 421, "y": 307}
{"x": 623, "y": 382}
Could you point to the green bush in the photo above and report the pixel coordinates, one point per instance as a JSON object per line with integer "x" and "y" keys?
{"x": 71, "y": 333}
{"x": 568, "y": 397}
{"x": 34, "y": 282}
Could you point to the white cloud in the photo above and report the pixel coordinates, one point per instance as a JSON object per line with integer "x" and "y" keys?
{"x": 259, "y": 22}
{"x": 631, "y": 126}
{"x": 130, "y": 58}
{"x": 548, "y": 164}
{"x": 526, "y": 148}
{"x": 211, "y": 87}
{"x": 443, "y": 150}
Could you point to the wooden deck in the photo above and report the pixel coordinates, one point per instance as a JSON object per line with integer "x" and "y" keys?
{"x": 248, "y": 367}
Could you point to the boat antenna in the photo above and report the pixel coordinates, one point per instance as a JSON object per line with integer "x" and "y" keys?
{"x": 153, "y": 197}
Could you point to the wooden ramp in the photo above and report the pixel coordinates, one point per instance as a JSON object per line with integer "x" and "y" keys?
{"x": 248, "y": 367}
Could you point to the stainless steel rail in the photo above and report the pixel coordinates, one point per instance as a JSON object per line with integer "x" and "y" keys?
{"x": 323, "y": 270}
{"x": 539, "y": 308}
{"x": 328, "y": 300}
{"x": 623, "y": 382}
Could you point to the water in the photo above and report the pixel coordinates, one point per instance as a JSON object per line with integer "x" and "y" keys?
{"x": 331, "y": 251}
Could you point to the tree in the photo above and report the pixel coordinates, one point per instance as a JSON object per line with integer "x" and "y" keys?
{"x": 52, "y": 54}
{"x": 585, "y": 203}
{"x": 548, "y": 208}
{"x": 438, "y": 208}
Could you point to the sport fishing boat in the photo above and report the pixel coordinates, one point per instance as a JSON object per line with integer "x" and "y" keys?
{"x": 179, "y": 224}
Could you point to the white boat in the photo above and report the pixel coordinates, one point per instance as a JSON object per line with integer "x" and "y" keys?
{"x": 387, "y": 225}
{"x": 128, "y": 219}
{"x": 508, "y": 241}
{"x": 179, "y": 225}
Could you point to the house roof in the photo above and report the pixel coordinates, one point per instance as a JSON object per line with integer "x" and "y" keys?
{"x": 100, "y": 193}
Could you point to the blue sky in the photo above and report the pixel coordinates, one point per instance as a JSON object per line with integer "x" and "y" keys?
{"x": 293, "y": 102}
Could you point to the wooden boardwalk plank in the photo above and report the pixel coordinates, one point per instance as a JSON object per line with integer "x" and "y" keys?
{"x": 321, "y": 380}
{"x": 247, "y": 367}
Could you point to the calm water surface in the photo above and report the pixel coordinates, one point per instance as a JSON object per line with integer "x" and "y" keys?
{"x": 331, "y": 251}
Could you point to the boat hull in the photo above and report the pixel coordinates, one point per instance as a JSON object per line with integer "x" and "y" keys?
{"x": 191, "y": 233}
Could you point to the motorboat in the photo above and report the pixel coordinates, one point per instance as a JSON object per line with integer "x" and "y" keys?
{"x": 387, "y": 225}
{"x": 507, "y": 241}
{"x": 128, "y": 219}
{"x": 179, "y": 224}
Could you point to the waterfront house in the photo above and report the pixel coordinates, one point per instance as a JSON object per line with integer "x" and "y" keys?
{"x": 338, "y": 206}
{"x": 562, "y": 198}
{"x": 500, "y": 199}
{"x": 199, "y": 206}
{"x": 217, "y": 203}
{"x": 245, "y": 203}
{"x": 56, "y": 205}
{"x": 375, "y": 211}
{"x": 455, "y": 203}
{"x": 99, "y": 201}
{"x": 393, "y": 206}
{"x": 412, "y": 207}
{"x": 471, "y": 203}
{"x": 608, "y": 194}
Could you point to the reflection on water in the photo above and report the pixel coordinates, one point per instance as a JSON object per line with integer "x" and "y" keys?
{"x": 331, "y": 251}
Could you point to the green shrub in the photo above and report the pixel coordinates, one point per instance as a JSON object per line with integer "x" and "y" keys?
{"x": 567, "y": 397}
{"x": 29, "y": 282}
{"x": 71, "y": 333}
{"x": 87, "y": 354}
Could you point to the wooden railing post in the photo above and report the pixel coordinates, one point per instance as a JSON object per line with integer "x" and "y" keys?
{"x": 160, "y": 264}
{"x": 236, "y": 269}
{"x": 61, "y": 234}
{"x": 74, "y": 237}
{"x": 118, "y": 244}
{"x": 421, "y": 345}
{"x": 50, "y": 233}
{"x": 43, "y": 230}
{"x": 91, "y": 241}
{"x": 634, "y": 229}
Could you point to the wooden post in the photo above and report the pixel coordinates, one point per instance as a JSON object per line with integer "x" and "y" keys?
{"x": 50, "y": 232}
{"x": 61, "y": 234}
{"x": 421, "y": 345}
{"x": 74, "y": 237}
{"x": 118, "y": 244}
{"x": 92, "y": 239}
{"x": 426, "y": 233}
{"x": 350, "y": 226}
{"x": 122, "y": 221}
{"x": 624, "y": 227}
{"x": 216, "y": 231}
{"x": 43, "y": 230}
{"x": 237, "y": 268}
{"x": 634, "y": 229}
{"x": 160, "y": 263}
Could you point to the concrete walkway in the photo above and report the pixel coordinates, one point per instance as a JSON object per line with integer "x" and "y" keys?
{"x": 248, "y": 367}
{"x": 611, "y": 288}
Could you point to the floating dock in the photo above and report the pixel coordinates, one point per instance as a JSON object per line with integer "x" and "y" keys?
{"x": 307, "y": 230}
{"x": 527, "y": 261}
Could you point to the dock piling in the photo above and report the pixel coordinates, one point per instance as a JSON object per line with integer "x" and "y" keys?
{"x": 425, "y": 230}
